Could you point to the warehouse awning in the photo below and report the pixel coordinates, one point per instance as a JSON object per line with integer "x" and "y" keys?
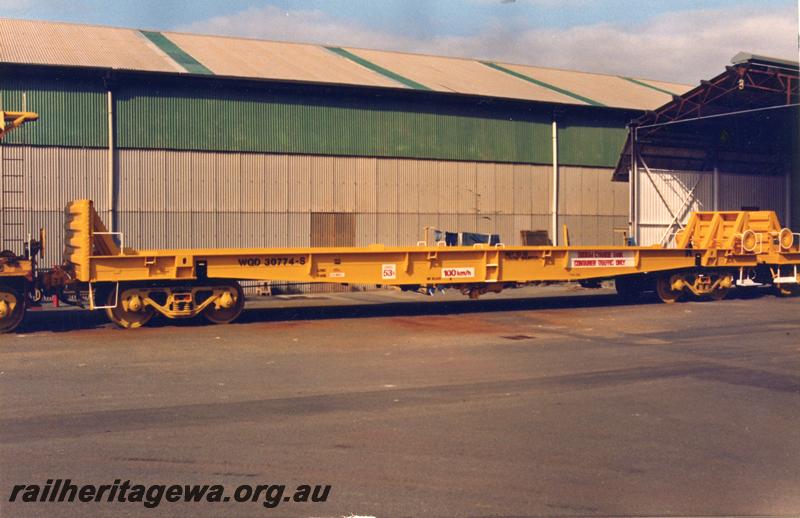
{"x": 743, "y": 120}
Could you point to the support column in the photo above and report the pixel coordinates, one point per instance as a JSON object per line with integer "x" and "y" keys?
{"x": 793, "y": 174}
{"x": 634, "y": 186}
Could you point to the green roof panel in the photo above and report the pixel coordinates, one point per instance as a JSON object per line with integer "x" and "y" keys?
{"x": 177, "y": 54}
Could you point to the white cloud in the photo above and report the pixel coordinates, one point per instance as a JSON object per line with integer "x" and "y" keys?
{"x": 681, "y": 46}
{"x": 308, "y": 26}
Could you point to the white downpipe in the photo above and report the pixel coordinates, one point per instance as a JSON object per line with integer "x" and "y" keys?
{"x": 630, "y": 192}
{"x": 110, "y": 219}
{"x": 554, "y": 216}
{"x": 787, "y": 222}
{"x": 716, "y": 189}
{"x": 635, "y": 199}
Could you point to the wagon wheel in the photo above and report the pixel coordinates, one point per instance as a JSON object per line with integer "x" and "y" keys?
{"x": 229, "y": 307}
{"x": 12, "y": 309}
{"x": 724, "y": 287}
{"x": 719, "y": 293}
{"x": 665, "y": 291}
{"x": 130, "y": 312}
{"x": 787, "y": 290}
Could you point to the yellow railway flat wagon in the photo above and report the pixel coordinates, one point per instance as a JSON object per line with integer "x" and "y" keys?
{"x": 715, "y": 252}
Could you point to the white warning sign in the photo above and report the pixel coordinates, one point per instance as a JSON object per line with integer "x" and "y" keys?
{"x": 458, "y": 273}
{"x": 388, "y": 272}
{"x": 601, "y": 259}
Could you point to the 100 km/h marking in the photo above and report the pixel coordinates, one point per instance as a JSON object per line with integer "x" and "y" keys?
{"x": 271, "y": 261}
{"x": 458, "y": 273}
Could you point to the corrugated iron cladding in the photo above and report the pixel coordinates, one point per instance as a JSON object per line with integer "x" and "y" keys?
{"x": 606, "y": 89}
{"x": 275, "y": 60}
{"x": 246, "y": 120}
{"x": 762, "y": 191}
{"x": 204, "y": 229}
{"x": 590, "y": 141}
{"x": 590, "y": 191}
{"x": 48, "y": 43}
{"x": 459, "y": 75}
{"x": 206, "y": 199}
{"x": 59, "y": 175}
{"x": 73, "y": 112}
{"x": 187, "y": 181}
{"x": 663, "y": 193}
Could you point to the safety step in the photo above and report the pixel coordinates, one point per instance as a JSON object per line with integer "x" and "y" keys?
{"x": 785, "y": 280}
{"x": 748, "y": 283}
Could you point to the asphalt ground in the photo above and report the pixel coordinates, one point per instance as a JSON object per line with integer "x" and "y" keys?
{"x": 544, "y": 402}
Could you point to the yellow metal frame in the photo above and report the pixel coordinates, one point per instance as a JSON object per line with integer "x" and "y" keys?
{"x": 710, "y": 240}
{"x": 713, "y": 253}
{"x": 10, "y": 121}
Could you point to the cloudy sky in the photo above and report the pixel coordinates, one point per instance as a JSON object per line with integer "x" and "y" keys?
{"x": 674, "y": 40}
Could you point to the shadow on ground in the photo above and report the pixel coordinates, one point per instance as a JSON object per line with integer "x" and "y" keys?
{"x": 62, "y": 321}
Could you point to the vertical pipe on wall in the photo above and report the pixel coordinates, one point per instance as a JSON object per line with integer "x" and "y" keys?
{"x": 554, "y": 215}
{"x": 110, "y": 186}
{"x": 787, "y": 221}
{"x": 715, "y": 189}
{"x": 634, "y": 187}
{"x": 630, "y": 185}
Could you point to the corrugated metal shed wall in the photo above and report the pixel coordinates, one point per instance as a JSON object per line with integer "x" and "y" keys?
{"x": 592, "y": 206}
{"x": 194, "y": 196}
{"x": 665, "y": 193}
{"x": 794, "y": 135}
{"x": 73, "y": 111}
{"x": 764, "y": 192}
{"x": 267, "y": 200}
{"x": 591, "y": 140}
{"x": 52, "y": 177}
{"x": 212, "y": 199}
{"x": 246, "y": 120}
